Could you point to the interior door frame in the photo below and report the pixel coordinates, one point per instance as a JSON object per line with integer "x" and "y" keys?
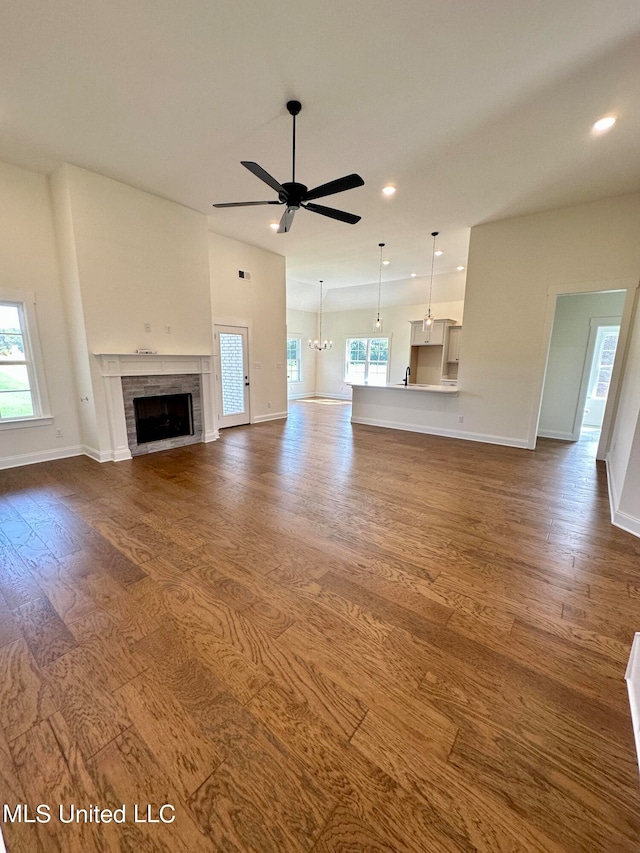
{"x": 241, "y": 418}
{"x": 629, "y": 285}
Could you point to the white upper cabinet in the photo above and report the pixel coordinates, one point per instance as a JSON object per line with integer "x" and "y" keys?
{"x": 433, "y": 336}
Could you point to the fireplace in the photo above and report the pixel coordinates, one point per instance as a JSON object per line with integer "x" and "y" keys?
{"x": 134, "y": 376}
{"x": 163, "y": 416}
{"x": 162, "y": 412}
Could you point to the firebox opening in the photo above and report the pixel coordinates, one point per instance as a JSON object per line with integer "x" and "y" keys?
{"x": 165, "y": 416}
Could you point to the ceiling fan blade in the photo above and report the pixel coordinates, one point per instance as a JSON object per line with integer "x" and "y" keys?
{"x": 245, "y": 203}
{"x": 287, "y": 220}
{"x": 349, "y": 182}
{"x": 342, "y": 215}
{"x": 259, "y": 172}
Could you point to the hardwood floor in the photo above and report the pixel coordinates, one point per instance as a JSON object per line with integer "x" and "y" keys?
{"x": 309, "y": 636}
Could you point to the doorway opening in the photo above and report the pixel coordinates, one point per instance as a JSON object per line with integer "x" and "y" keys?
{"x": 580, "y": 364}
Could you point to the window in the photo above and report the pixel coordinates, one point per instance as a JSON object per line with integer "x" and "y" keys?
{"x": 604, "y": 356}
{"x": 367, "y": 360}
{"x": 294, "y": 359}
{"x": 20, "y": 397}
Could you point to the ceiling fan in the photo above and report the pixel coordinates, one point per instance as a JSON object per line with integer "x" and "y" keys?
{"x": 295, "y": 195}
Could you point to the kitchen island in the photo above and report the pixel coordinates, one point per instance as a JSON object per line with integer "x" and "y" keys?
{"x": 431, "y": 409}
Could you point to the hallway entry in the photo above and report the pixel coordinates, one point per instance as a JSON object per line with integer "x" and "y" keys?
{"x": 580, "y": 363}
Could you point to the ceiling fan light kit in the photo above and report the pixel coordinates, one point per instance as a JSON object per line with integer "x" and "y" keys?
{"x": 296, "y": 195}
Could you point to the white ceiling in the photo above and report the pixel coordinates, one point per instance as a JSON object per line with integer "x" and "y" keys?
{"x": 475, "y": 111}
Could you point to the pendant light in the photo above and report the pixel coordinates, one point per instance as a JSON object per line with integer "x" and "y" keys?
{"x": 377, "y": 323}
{"x": 319, "y": 344}
{"x": 427, "y": 323}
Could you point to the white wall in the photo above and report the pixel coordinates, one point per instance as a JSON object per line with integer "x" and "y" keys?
{"x": 340, "y": 325}
{"x": 28, "y": 262}
{"x": 72, "y": 296}
{"x": 260, "y": 305}
{"x": 141, "y": 259}
{"x": 623, "y": 460}
{"x": 129, "y": 259}
{"x": 567, "y": 355}
{"x": 304, "y": 324}
{"x": 513, "y": 266}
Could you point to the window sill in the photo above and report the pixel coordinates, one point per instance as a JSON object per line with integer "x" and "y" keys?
{"x": 19, "y": 423}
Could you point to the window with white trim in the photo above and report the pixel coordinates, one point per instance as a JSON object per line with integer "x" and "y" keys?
{"x": 367, "y": 360}
{"x": 21, "y": 395}
{"x": 294, "y": 359}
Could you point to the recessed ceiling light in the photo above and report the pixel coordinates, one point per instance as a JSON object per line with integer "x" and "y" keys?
{"x": 459, "y": 269}
{"x": 414, "y": 274}
{"x": 274, "y": 226}
{"x": 438, "y": 253}
{"x": 388, "y": 190}
{"x": 603, "y": 124}
{"x": 386, "y": 263}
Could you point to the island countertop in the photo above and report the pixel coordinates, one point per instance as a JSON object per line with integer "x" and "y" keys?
{"x": 400, "y": 386}
{"x": 416, "y": 408}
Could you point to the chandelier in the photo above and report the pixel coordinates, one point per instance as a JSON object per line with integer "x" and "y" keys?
{"x": 319, "y": 344}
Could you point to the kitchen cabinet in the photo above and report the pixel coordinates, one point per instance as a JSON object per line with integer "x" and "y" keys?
{"x": 453, "y": 344}
{"x": 427, "y": 353}
{"x": 431, "y": 337}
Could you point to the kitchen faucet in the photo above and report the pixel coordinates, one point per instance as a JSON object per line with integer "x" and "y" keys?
{"x": 407, "y": 374}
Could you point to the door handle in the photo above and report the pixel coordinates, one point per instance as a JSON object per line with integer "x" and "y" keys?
{"x": 246, "y": 380}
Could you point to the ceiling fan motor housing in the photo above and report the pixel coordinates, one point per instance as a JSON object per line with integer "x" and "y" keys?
{"x": 294, "y": 194}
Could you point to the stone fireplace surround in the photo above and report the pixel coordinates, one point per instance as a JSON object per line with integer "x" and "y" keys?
{"x": 135, "y": 387}
{"x": 126, "y": 375}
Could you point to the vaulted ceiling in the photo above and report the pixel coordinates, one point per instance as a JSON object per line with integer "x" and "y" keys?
{"x": 474, "y": 111}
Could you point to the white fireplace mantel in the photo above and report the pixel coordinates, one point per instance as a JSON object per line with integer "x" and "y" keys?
{"x": 152, "y": 364}
{"x": 113, "y": 366}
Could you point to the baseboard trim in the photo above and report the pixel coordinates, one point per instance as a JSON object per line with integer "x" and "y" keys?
{"x": 106, "y": 455}
{"x": 39, "y": 456}
{"x": 560, "y": 436}
{"x": 504, "y": 441}
{"x": 302, "y": 395}
{"x": 332, "y": 396}
{"x": 628, "y": 523}
{"x": 260, "y": 419}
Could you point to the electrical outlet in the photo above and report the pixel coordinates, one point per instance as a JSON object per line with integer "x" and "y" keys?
{"x": 59, "y": 433}
{"x": 269, "y": 404}
{"x": 460, "y": 419}
{"x": 278, "y": 364}
{"x": 147, "y": 327}
{"x": 167, "y": 329}
{"x": 257, "y": 365}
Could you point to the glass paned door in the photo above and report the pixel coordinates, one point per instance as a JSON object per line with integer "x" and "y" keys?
{"x": 232, "y": 376}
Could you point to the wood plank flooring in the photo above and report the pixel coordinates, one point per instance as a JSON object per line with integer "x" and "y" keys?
{"x": 313, "y": 636}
